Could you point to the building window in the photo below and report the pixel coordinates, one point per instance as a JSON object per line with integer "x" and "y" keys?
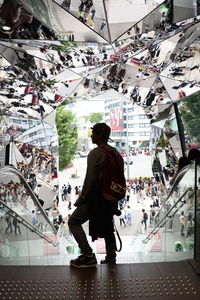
{"x": 32, "y": 134}
{"x": 131, "y": 125}
{"x": 144, "y": 133}
{"x": 144, "y": 125}
{"x": 142, "y": 117}
{"x": 15, "y": 121}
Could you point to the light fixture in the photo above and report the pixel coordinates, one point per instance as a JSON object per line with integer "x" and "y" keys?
{"x": 6, "y": 28}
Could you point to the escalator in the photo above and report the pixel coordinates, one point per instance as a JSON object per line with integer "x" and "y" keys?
{"x": 27, "y": 235}
{"x": 173, "y": 233}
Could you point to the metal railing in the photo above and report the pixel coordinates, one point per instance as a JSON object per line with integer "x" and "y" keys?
{"x": 13, "y": 170}
{"x": 22, "y": 221}
{"x": 164, "y": 219}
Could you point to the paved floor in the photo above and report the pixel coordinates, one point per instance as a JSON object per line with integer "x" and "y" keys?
{"x": 160, "y": 281}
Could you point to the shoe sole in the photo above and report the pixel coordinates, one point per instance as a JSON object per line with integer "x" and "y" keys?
{"x": 82, "y": 266}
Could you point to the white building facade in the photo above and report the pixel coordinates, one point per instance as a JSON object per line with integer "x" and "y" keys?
{"x": 134, "y": 126}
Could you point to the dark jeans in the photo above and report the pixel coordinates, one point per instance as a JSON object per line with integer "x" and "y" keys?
{"x": 80, "y": 216}
{"x": 145, "y": 223}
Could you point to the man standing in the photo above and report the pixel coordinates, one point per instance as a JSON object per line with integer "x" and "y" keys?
{"x": 144, "y": 218}
{"x": 182, "y": 222}
{"x": 93, "y": 207}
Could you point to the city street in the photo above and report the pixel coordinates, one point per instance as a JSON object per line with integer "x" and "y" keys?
{"x": 141, "y": 167}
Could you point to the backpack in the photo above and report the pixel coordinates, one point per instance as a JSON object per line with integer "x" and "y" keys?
{"x": 145, "y": 216}
{"x": 113, "y": 181}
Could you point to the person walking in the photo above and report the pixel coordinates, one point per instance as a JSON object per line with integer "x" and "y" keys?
{"x": 122, "y": 217}
{"x": 144, "y": 218}
{"x": 9, "y": 223}
{"x": 64, "y": 193}
{"x": 182, "y": 222}
{"x": 16, "y": 226}
{"x": 170, "y": 223}
{"x": 69, "y": 196}
{"x": 128, "y": 215}
{"x": 92, "y": 206}
{"x": 152, "y": 214}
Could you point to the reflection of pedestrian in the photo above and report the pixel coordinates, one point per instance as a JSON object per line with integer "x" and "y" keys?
{"x": 34, "y": 219}
{"x": 182, "y": 222}
{"x": 16, "y": 226}
{"x": 66, "y": 4}
{"x": 190, "y": 226}
{"x": 9, "y": 224}
{"x": 103, "y": 24}
{"x": 93, "y": 11}
{"x": 170, "y": 223}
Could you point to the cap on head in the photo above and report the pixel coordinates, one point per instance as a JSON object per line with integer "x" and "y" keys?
{"x": 102, "y": 129}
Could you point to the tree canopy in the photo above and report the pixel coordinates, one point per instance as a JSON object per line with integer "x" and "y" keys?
{"x": 190, "y": 112}
{"x": 96, "y": 117}
{"x": 67, "y": 135}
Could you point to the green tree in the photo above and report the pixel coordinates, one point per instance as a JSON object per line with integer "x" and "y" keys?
{"x": 65, "y": 46}
{"x": 67, "y": 135}
{"x": 96, "y": 117}
{"x": 190, "y": 113}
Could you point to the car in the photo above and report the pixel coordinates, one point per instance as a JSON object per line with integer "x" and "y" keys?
{"x": 81, "y": 154}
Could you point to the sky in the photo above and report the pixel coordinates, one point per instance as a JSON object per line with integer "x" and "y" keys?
{"x": 84, "y": 108}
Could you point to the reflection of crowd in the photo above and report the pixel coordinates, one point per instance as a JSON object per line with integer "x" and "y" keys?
{"x": 38, "y": 161}
{"x": 12, "y": 194}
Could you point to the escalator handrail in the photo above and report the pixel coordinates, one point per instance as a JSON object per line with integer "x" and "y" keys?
{"x": 15, "y": 171}
{"x": 178, "y": 178}
{"x": 167, "y": 214}
{"x": 176, "y": 182}
{"x": 28, "y": 225}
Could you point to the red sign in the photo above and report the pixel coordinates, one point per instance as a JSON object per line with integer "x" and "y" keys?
{"x": 117, "y": 118}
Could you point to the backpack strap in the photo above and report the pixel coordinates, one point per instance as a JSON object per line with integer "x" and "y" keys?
{"x": 120, "y": 241}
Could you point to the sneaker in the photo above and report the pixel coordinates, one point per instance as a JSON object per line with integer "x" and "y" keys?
{"x": 108, "y": 261}
{"x": 84, "y": 261}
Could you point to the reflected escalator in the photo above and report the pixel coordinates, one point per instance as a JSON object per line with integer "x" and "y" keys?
{"x": 172, "y": 235}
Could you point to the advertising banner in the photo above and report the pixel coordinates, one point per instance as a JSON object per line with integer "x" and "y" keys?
{"x": 117, "y": 118}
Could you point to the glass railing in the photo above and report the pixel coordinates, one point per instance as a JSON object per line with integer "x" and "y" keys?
{"x": 26, "y": 234}
{"x": 169, "y": 237}
{"x": 170, "y": 233}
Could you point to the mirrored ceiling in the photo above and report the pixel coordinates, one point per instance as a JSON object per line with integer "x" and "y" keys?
{"x": 145, "y": 52}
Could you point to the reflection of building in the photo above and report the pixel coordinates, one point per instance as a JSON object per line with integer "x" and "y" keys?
{"x": 41, "y": 135}
{"x": 15, "y": 126}
{"x": 132, "y": 123}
